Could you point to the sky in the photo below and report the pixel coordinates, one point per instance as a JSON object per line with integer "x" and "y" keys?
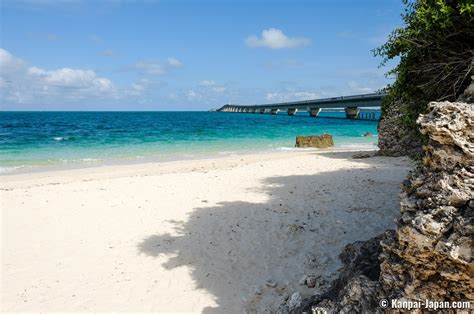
{"x": 188, "y": 55}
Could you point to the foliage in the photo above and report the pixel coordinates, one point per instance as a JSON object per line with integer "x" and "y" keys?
{"x": 436, "y": 49}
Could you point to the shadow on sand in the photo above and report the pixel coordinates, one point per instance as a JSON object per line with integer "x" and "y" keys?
{"x": 234, "y": 247}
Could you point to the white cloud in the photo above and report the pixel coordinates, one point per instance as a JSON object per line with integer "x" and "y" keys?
{"x": 174, "y": 62}
{"x": 69, "y": 78}
{"x": 22, "y": 83}
{"x": 9, "y": 62}
{"x": 274, "y": 38}
{"x": 208, "y": 92}
{"x": 136, "y": 89}
{"x": 141, "y": 87}
{"x": 155, "y": 68}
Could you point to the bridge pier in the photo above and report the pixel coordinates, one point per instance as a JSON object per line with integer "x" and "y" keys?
{"x": 292, "y": 111}
{"x": 313, "y": 112}
{"x": 352, "y": 112}
{"x": 352, "y": 105}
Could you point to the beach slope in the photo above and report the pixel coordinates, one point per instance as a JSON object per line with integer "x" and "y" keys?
{"x": 215, "y": 236}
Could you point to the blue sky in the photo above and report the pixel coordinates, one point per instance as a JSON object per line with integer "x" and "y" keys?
{"x": 188, "y": 55}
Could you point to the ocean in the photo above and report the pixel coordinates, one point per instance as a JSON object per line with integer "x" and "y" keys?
{"x": 32, "y": 141}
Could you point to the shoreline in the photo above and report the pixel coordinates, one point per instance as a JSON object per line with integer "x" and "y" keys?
{"x": 189, "y": 236}
{"x": 91, "y": 164}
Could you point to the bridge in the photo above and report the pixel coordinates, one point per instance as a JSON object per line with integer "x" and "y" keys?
{"x": 351, "y": 104}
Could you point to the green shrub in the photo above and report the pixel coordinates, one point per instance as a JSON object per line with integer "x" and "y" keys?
{"x": 435, "y": 48}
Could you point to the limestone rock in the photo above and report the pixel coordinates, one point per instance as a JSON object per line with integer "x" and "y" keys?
{"x": 360, "y": 296}
{"x": 318, "y": 141}
{"x": 430, "y": 256}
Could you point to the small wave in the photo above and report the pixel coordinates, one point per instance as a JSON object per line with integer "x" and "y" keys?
{"x": 82, "y": 160}
{"x": 5, "y": 170}
{"x": 90, "y": 159}
{"x": 288, "y": 148}
{"x": 227, "y": 152}
{"x": 64, "y": 138}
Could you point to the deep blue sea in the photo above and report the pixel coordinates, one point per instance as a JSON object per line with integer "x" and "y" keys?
{"x": 34, "y": 140}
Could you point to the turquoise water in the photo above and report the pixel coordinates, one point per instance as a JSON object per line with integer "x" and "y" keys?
{"x": 31, "y": 140}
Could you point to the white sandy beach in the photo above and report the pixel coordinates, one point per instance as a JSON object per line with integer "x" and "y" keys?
{"x": 189, "y": 236}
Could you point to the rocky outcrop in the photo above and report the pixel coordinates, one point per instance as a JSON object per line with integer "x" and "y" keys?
{"x": 318, "y": 141}
{"x": 429, "y": 256}
{"x": 394, "y": 138}
{"x": 356, "y": 288}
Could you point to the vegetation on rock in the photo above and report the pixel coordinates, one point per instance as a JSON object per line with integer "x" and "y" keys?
{"x": 436, "y": 49}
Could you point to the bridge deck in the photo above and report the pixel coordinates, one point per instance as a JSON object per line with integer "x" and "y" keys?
{"x": 365, "y": 100}
{"x": 351, "y": 105}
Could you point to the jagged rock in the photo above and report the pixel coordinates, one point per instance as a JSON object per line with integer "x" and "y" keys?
{"x": 430, "y": 256}
{"x": 356, "y": 281}
{"x": 295, "y": 301}
{"x": 311, "y": 281}
{"x": 394, "y": 138}
{"x": 360, "y": 296}
{"x": 318, "y": 141}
